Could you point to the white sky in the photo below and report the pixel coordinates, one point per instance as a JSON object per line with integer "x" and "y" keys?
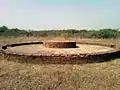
{"x": 60, "y": 14}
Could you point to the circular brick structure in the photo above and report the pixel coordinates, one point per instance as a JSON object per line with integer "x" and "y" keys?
{"x": 60, "y": 52}
{"x": 59, "y": 44}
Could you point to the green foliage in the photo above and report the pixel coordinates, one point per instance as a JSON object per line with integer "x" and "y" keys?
{"x": 102, "y": 33}
{"x": 3, "y": 29}
{"x": 108, "y": 33}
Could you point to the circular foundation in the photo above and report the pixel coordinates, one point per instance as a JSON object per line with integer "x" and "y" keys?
{"x": 61, "y": 52}
{"x": 59, "y": 44}
{"x": 39, "y": 49}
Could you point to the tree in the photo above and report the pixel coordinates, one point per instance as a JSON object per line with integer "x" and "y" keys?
{"x": 3, "y": 29}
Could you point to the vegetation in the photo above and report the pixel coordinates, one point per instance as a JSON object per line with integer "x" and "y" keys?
{"x": 102, "y": 33}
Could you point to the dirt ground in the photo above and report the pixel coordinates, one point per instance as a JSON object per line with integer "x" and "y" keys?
{"x": 40, "y": 49}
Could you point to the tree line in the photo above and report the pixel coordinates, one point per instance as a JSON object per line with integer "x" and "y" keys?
{"x": 102, "y": 33}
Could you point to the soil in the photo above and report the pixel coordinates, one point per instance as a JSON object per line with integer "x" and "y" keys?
{"x": 40, "y": 49}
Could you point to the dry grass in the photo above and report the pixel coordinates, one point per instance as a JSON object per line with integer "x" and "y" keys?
{"x": 26, "y": 76}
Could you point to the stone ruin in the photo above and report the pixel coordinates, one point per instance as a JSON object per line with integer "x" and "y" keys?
{"x": 59, "y": 44}
{"x": 48, "y": 50}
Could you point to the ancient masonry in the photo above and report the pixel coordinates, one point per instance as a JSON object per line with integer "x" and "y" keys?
{"x": 59, "y": 44}
{"x": 48, "y": 54}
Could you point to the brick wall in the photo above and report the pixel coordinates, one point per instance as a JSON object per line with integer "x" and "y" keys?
{"x": 71, "y": 59}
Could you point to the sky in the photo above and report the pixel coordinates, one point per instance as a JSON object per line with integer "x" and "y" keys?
{"x": 60, "y": 14}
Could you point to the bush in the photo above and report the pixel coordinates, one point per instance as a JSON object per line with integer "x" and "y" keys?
{"x": 103, "y": 33}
